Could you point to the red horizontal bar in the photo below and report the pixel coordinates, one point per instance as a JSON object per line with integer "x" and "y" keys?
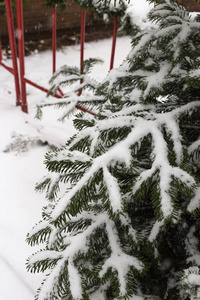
{"x": 85, "y": 110}
{"x": 40, "y": 87}
{"x": 7, "y": 68}
{"x": 56, "y": 95}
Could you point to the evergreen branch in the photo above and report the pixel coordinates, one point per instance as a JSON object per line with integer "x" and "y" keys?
{"x": 113, "y": 190}
{"x": 155, "y": 230}
{"x": 185, "y": 109}
{"x": 119, "y": 260}
{"x": 43, "y": 260}
{"x": 194, "y": 147}
{"x": 195, "y": 201}
{"x": 52, "y": 280}
{"x": 39, "y": 234}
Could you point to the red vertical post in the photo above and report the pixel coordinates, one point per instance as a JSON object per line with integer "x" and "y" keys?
{"x": 83, "y": 19}
{"x": 113, "y": 43}
{"x": 54, "y": 44}
{"x": 20, "y": 34}
{"x": 1, "y": 56}
{"x": 13, "y": 48}
{"x": 54, "y": 38}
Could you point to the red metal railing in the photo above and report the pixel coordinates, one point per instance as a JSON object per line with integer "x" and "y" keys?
{"x": 21, "y": 92}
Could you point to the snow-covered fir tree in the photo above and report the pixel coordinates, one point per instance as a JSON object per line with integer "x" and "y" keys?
{"x": 127, "y": 224}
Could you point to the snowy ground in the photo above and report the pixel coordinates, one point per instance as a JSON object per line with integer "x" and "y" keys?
{"x": 22, "y": 167}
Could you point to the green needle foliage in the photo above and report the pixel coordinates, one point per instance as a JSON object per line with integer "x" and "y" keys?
{"x": 81, "y": 89}
{"x": 122, "y": 219}
{"x": 13, "y": 3}
{"x": 101, "y": 7}
{"x": 52, "y": 3}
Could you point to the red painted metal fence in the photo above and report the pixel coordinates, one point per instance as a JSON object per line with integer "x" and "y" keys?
{"x": 20, "y": 78}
